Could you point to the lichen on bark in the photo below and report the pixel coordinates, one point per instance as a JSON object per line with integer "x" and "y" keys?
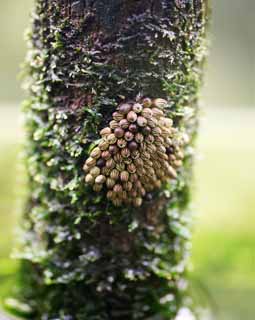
{"x": 82, "y": 257}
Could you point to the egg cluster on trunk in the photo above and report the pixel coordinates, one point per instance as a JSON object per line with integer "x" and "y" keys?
{"x": 138, "y": 152}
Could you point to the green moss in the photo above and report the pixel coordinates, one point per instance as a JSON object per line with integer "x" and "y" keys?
{"x": 86, "y": 258}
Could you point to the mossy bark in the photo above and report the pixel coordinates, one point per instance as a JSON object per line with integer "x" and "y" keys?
{"x": 83, "y": 258}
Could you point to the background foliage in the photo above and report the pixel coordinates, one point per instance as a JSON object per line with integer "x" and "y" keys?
{"x": 223, "y": 253}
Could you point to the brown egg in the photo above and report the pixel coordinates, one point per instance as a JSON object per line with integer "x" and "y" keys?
{"x": 105, "y": 132}
{"x": 135, "y": 154}
{"x": 117, "y": 202}
{"x": 111, "y": 138}
{"x": 109, "y": 195}
{"x": 132, "y": 146}
{"x": 138, "y": 202}
{"x": 105, "y": 171}
{"x": 157, "y": 112}
{"x": 103, "y": 145}
{"x": 118, "y": 157}
{"x": 97, "y": 187}
{"x": 133, "y": 177}
{"x": 141, "y": 121}
{"x": 120, "y": 166}
{"x": 110, "y": 183}
{"x": 100, "y": 179}
{"x": 125, "y": 108}
{"x": 96, "y": 153}
{"x": 131, "y": 168}
{"x": 129, "y": 136}
{"x": 137, "y": 108}
{"x": 90, "y": 162}
{"x": 124, "y": 176}
{"x": 147, "y": 113}
{"x": 89, "y": 179}
{"x": 119, "y": 132}
{"x": 146, "y": 130}
{"x": 132, "y": 116}
{"x": 114, "y": 124}
{"x": 113, "y": 149}
{"x": 118, "y": 188}
{"x": 95, "y": 171}
{"x": 106, "y": 155}
{"x": 128, "y": 186}
{"x": 160, "y": 103}
{"x": 147, "y": 102}
{"x": 100, "y": 163}
{"x": 133, "y": 128}
{"x": 117, "y": 116}
{"x": 114, "y": 174}
{"x": 124, "y": 124}
{"x": 121, "y": 143}
{"x": 125, "y": 153}
{"x": 110, "y": 164}
{"x": 139, "y": 137}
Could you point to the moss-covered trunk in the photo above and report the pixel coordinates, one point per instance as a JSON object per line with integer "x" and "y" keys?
{"x": 86, "y": 257}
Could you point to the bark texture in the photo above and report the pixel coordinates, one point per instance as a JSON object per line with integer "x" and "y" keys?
{"x": 83, "y": 258}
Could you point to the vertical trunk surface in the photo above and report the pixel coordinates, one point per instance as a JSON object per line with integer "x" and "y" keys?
{"x": 83, "y": 257}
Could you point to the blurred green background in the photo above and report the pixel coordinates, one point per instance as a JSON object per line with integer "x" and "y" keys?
{"x": 224, "y": 239}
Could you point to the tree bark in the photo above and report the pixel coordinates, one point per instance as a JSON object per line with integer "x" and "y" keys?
{"x": 83, "y": 257}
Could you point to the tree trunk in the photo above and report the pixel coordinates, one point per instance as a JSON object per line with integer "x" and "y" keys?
{"x": 90, "y": 253}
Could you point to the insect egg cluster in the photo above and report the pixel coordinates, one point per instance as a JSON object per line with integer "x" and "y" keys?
{"x": 138, "y": 151}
